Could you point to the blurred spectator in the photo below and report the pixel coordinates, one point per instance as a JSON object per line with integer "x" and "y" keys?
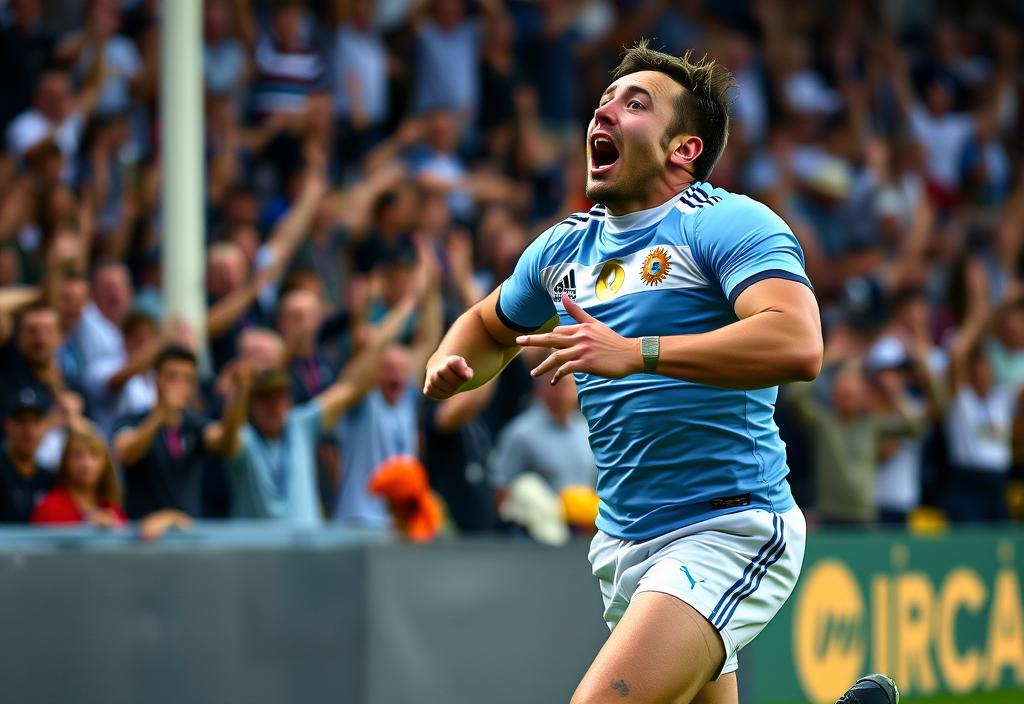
{"x": 359, "y": 68}
{"x": 1005, "y": 347}
{"x": 385, "y": 423}
{"x": 29, "y": 358}
{"x": 71, "y": 302}
{"x": 548, "y": 57}
{"x": 436, "y": 164}
{"x": 163, "y": 451}
{"x": 553, "y": 421}
{"x": 894, "y": 368}
{"x": 845, "y": 438}
{"x": 979, "y": 423}
{"x": 57, "y": 116}
{"x": 447, "y": 57}
{"x": 26, "y": 46}
{"x": 22, "y": 482}
{"x": 86, "y": 489}
{"x": 120, "y": 64}
{"x": 114, "y": 365}
{"x": 299, "y": 318}
{"x": 226, "y": 63}
{"x": 272, "y": 467}
{"x": 288, "y": 67}
{"x": 457, "y": 447}
{"x": 499, "y": 74}
{"x": 262, "y": 347}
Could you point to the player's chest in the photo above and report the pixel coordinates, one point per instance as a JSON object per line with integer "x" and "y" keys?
{"x": 657, "y": 267}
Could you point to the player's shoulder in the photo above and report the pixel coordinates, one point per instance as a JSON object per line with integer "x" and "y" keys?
{"x": 561, "y": 241}
{"x": 725, "y": 212}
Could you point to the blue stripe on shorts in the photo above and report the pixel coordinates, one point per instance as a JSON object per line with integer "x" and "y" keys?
{"x": 755, "y": 571}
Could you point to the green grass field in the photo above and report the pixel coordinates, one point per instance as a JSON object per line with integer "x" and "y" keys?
{"x": 987, "y": 698}
{"x": 1014, "y": 697}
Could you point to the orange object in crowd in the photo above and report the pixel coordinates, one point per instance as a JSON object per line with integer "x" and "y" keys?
{"x": 402, "y": 481}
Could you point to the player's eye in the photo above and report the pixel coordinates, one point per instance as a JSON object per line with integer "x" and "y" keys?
{"x": 634, "y": 103}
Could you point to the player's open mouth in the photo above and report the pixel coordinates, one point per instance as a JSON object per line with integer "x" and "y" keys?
{"x": 603, "y": 154}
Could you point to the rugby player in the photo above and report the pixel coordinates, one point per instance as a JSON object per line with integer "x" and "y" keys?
{"x": 680, "y": 308}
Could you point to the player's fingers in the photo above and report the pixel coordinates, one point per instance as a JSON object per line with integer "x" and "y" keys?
{"x": 431, "y": 391}
{"x": 447, "y": 379}
{"x": 549, "y": 339}
{"x": 441, "y": 382}
{"x": 438, "y": 388}
{"x": 566, "y": 329}
{"x": 460, "y": 367}
{"x": 578, "y": 314}
{"x": 575, "y": 365}
{"x": 553, "y": 361}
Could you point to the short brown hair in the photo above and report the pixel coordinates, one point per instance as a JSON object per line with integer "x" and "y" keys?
{"x": 35, "y": 306}
{"x": 703, "y": 107}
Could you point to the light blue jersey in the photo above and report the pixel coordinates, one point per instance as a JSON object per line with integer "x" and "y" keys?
{"x": 669, "y": 452}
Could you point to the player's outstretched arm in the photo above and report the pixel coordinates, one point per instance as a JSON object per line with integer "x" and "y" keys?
{"x": 777, "y": 339}
{"x": 477, "y": 346}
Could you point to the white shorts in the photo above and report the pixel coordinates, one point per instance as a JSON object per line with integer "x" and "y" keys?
{"x": 737, "y": 570}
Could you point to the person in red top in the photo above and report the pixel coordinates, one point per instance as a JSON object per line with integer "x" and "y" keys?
{"x": 86, "y": 488}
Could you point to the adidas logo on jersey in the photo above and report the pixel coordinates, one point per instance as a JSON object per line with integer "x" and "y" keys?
{"x": 566, "y": 287}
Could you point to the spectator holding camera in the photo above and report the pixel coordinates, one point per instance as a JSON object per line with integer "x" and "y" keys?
{"x": 163, "y": 451}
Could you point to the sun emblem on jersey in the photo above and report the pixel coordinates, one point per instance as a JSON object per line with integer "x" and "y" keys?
{"x": 610, "y": 280}
{"x": 656, "y": 266}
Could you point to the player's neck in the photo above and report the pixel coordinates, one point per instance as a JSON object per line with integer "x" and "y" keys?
{"x": 661, "y": 193}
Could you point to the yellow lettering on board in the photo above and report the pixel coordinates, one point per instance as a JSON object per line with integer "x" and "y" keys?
{"x": 880, "y": 631}
{"x": 829, "y": 643}
{"x": 915, "y": 602}
{"x": 1005, "y": 630}
{"x": 963, "y": 589}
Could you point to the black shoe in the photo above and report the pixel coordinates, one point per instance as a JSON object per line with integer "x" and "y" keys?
{"x": 873, "y": 689}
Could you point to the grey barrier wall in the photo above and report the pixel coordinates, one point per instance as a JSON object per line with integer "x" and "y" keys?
{"x": 371, "y": 622}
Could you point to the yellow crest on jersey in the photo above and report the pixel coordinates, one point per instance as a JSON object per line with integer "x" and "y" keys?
{"x": 656, "y": 266}
{"x": 610, "y": 280}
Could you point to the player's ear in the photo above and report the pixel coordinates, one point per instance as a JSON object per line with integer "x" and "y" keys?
{"x": 687, "y": 148}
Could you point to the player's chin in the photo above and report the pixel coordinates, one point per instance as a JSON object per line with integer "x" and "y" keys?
{"x": 601, "y": 190}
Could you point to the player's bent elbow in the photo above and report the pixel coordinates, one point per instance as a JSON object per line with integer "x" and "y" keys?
{"x": 807, "y": 362}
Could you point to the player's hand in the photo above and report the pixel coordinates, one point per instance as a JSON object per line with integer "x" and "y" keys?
{"x": 591, "y": 347}
{"x": 445, "y": 378}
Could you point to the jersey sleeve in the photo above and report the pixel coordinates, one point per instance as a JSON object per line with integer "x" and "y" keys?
{"x": 523, "y": 303}
{"x": 741, "y": 242}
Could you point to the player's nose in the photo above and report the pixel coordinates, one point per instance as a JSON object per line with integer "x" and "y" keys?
{"x": 605, "y": 114}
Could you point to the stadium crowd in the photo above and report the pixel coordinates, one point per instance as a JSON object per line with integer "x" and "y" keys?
{"x": 373, "y": 169}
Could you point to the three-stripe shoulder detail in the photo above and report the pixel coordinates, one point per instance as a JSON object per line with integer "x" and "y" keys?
{"x": 694, "y": 198}
{"x": 581, "y": 219}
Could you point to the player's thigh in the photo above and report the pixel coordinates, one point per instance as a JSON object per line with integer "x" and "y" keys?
{"x": 721, "y": 691}
{"x": 661, "y": 652}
